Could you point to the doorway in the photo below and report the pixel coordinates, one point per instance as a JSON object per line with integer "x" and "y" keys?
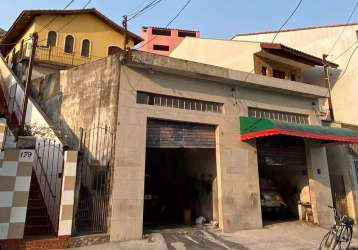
{"x": 180, "y": 174}
{"x": 283, "y": 177}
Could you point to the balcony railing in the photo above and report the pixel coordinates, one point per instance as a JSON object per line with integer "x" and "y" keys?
{"x": 57, "y": 56}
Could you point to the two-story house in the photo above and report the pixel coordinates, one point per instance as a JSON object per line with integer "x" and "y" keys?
{"x": 257, "y": 54}
{"x": 66, "y": 38}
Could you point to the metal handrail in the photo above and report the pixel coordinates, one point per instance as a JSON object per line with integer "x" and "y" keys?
{"x": 43, "y": 171}
{"x": 59, "y": 56}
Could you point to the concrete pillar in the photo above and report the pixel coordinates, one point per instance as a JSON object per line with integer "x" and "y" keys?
{"x": 128, "y": 179}
{"x": 319, "y": 182}
{"x": 340, "y": 163}
{"x": 67, "y": 193}
{"x": 15, "y": 178}
{"x": 239, "y": 192}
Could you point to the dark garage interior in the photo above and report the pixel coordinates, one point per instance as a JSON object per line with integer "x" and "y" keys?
{"x": 180, "y": 173}
{"x": 284, "y": 186}
{"x": 180, "y": 185}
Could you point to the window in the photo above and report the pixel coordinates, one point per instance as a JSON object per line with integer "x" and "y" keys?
{"x": 178, "y": 102}
{"x": 85, "y": 50}
{"x": 264, "y": 71}
{"x": 161, "y": 47}
{"x": 278, "y": 115}
{"x": 186, "y": 33}
{"x": 69, "y": 44}
{"x": 161, "y": 32}
{"x": 113, "y": 50}
{"x": 51, "y": 39}
{"x": 278, "y": 74}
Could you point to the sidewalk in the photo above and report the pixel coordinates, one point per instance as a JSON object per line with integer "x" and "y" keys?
{"x": 293, "y": 235}
{"x": 153, "y": 242}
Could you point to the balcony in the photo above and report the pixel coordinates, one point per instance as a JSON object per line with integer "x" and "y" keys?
{"x": 55, "y": 56}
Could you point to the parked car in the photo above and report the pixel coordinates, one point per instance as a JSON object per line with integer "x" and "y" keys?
{"x": 271, "y": 199}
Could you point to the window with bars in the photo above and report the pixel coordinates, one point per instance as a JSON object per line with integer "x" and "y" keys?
{"x": 278, "y": 115}
{"x": 178, "y": 102}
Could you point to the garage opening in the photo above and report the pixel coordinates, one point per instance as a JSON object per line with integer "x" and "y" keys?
{"x": 180, "y": 174}
{"x": 284, "y": 185}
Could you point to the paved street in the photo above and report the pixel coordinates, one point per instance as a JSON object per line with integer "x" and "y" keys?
{"x": 196, "y": 238}
{"x": 279, "y": 236}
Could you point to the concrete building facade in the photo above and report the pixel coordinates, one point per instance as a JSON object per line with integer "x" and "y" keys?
{"x": 188, "y": 115}
{"x": 324, "y": 40}
{"x": 163, "y": 41}
{"x": 251, "y": 56}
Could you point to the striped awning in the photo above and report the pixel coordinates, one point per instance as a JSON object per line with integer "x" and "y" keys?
{"x": 251, "y": 128}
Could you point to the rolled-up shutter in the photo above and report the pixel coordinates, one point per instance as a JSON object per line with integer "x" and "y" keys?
{"x": 171, "y": 134}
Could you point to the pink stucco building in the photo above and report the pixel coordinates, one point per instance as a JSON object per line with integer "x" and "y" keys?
{"x": 163, "y": 41}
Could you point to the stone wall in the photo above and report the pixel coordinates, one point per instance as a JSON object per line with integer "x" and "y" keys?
{"x": 80, "y": 97}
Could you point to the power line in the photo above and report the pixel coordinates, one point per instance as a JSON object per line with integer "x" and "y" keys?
{"x": 145, "y": 9}
{"x": 344, "y": 28}
{"x": 70, "y": 21}
{"x": 54, "y": 19}
{"x": 132, "y": 11}
{"x": 66, "y": 24}
{"x": 280, "y": 29}
{"x": 170, "y": 22}
{"x": 287, "y": 20}
{"x": 344, "y": 52}
{"x": 44, "y": 27}
{"x": 348, "y": 62}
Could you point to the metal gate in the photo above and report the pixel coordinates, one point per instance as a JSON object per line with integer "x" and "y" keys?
{"x": 46, "y": 183}
{"x": 93, "y": 182}
{"x": 339, "y": 194}
{"x": 173, "y": 134}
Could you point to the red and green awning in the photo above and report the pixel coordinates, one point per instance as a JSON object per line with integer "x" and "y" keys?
{"x": 254, "y": 128}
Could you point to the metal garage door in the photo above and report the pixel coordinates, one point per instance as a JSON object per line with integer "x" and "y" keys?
{"x": 281, "y": 151}
{"x": 171, "y": 134}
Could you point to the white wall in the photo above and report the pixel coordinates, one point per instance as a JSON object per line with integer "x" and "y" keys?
{"x": 317, "y": 42}
{"x": 35, "y": 117}
{"x": 227, "y": 54}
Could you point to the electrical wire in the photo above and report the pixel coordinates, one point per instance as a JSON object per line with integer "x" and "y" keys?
{"x": 344, "y": 28}
{"x": 44, "y": 27}
{"x": 54, "y": 19}
{"x": 349, "y": 48}
{"x": 348, "y": 63}
{"x": 279, "y": 30}
{"x": 74, "y": 17}
{"x": 344, "y": 52}
{"x": 132, "y": 11}
{"x": 169, "y": 23}
{"x": 287, "y": 20}
{"x": 145, "y": 9}
{"x": 70, "y": 21}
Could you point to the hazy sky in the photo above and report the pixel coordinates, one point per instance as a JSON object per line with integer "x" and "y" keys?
{"x": 217, "y": 19}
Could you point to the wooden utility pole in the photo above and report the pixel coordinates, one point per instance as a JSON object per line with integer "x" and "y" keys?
{"x": 125, "y": 40}
{"x": 125, "y": 25}
{"x": 328, "y": 85}
{"x": 28, "y": 80}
